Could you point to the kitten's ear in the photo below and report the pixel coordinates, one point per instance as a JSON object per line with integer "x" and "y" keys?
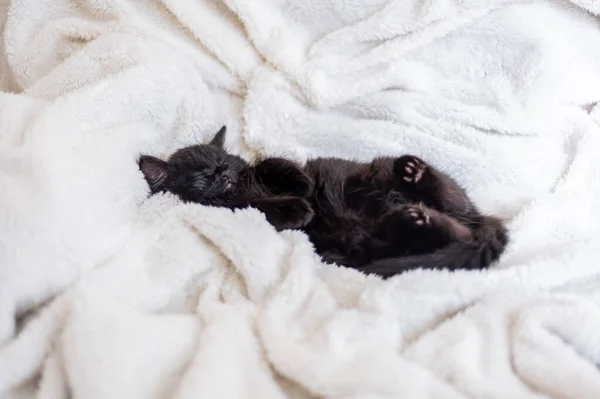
{"x": 156, "y": 171}
{"x": 219, "y": 139}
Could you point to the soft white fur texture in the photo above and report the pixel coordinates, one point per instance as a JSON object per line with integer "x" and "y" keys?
{"x": 105, "y": 293}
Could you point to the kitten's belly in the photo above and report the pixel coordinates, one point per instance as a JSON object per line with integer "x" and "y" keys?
{"x": 341, "y": 237}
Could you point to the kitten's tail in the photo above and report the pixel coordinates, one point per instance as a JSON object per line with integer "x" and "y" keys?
{"x": 488, "y": 243}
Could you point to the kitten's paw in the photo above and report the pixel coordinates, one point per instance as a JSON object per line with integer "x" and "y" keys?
{"x": 291, "y": 213}
{"x": 283, "y": 177}
{"x": 416, "y": 216}
{"x": 300, "y": 184}
{"x": 408, "y": 219}
{"x": 410, "y": 169}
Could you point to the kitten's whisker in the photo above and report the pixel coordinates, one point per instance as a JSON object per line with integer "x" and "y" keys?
{"x": 206, "y": 192}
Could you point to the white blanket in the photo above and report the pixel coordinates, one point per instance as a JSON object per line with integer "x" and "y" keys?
{"x": 106, "y": 293}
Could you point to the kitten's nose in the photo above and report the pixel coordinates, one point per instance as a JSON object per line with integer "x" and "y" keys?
{"x": 228, "y": 176}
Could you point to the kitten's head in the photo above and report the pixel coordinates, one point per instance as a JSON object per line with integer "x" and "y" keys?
{"x": 203, "y": 173}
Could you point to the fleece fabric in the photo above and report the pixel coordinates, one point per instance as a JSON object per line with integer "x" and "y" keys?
{"x": 107, "y": 293}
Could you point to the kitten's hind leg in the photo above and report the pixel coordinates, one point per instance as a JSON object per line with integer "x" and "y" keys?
{"x": 285, "y": 212}
{"x": 486, "y": 246}
{"x": 422, "y": 182}
{"x": 283, "y": 177}
{"x": 416, "y": 228}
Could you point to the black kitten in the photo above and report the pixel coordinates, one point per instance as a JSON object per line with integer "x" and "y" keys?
{"x": 382, "y": 217}
{"x": 208, "y": 175}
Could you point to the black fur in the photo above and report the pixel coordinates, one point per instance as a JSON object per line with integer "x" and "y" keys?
{"x": 208, "y": 175}
{"x": 382, "y": 217}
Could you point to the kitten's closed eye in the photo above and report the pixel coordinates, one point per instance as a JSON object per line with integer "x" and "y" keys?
{"x": 199, "y": 178}
{"x": 208, "y": 171}
{"x": 222, "y": 168}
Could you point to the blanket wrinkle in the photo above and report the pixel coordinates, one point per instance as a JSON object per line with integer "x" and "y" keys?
{"x": 106, "y": 292}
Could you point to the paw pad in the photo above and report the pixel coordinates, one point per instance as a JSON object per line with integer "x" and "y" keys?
{"x": 418, "y": 216}
{"x": 411, "y": 169}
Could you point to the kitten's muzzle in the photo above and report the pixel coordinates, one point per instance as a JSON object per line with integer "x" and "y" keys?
{"x": 227, "y": 181}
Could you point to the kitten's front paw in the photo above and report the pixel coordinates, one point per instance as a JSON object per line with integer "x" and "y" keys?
{"x": 410, "y": 169}
{"x": 283, "y": 177}
{"x": 300, "y": 184}
{"x": 291, "y": 213}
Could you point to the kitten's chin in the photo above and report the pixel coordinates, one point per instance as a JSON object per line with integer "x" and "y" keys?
{"x": 231, "y": 189}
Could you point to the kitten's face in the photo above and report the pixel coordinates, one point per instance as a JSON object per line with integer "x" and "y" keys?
{"x": 204, "y": 173}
